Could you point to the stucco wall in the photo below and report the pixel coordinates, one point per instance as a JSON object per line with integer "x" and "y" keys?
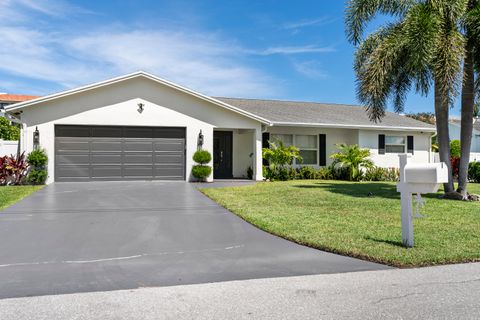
{"x": 365, "y": 139}
{"x": 242, "y": 149}
{"x": 116, "y": 104}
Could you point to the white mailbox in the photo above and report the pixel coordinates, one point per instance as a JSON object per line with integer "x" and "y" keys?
{"x": 417, "y": 179}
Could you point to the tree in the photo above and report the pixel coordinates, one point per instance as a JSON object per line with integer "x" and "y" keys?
{"x": 426, "y": 117}
{"x": 352, "y": 157}
{"x": 279, "y": 157}
{"x": 425, "y": 45}
{"x": 8, "y": 131}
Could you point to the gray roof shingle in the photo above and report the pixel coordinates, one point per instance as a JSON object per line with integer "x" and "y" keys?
{"x": 320, "y": 113}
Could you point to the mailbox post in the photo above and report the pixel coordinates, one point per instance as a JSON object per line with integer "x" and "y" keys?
{"x": 416, "y": 179}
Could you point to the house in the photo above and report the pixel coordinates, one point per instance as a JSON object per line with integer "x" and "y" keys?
{"x": 454, "y": 126}
{"x": 142, "y": 127}
{"x": 8, "y": 99}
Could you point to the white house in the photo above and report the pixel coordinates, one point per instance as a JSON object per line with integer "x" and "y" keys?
{"x": 141, "y": 127}
{"x": 454, "y": 130}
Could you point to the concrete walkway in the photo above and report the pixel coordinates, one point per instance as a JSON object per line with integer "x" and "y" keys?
{"x": 446, "y": 292}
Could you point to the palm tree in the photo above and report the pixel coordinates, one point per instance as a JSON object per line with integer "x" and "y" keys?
{"x": 352, "y": 157}
{"x": 424, "y": 45}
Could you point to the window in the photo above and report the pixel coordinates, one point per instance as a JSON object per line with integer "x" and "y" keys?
{"x": 308, "y": 148}
{"x": 308, "y": 145}
{"x": 394, "y": 144}
{"x": 287, "y": 139}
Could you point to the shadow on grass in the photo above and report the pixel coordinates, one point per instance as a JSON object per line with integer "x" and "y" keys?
{"x": 361, "y": 190}
{"x": 395, "y": 243}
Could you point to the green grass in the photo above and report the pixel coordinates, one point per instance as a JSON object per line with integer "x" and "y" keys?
{"x": 11, "y": 194}
{"x": 340, "y": 217}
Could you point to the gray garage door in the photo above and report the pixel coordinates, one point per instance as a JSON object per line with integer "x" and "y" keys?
{"x": 86, "y": 153}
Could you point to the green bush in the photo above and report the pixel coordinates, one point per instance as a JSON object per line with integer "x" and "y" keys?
{"x": 202, "y": 157}
{"x": 37, "y": 158}
{"x": 37, "y": 176}
{"x": 381, "y": 174}
{"x": 280, "y": 158}
{"x": 474, "y": 172}
{"x": 307, "y": 173}
{"x": 455, "y": 149}
{"x": 8, "y": 131}
{"x": 325, "y": 173}
{"x": 201, "y": 172}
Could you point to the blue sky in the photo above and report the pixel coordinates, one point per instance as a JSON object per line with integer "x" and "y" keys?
{"x": 259, "y": 49}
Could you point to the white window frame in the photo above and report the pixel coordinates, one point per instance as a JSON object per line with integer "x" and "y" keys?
{"x": 396, "y": 144}
{"x": 294, "y": 141}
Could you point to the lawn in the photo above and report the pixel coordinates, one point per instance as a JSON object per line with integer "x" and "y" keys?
{"x": 11, "y": 194}
{"x": 341, "y": 217}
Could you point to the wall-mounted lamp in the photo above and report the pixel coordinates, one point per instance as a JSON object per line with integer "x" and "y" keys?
{"x": 200, "y": 140}
{"x": 140, "y": 107}
{"x": 36, "y": 138}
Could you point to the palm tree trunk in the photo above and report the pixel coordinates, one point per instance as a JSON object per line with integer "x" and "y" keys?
{"x": 441, "y": 114}
{"x": 468, "y": 102}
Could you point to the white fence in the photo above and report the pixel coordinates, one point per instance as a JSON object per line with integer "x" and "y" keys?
{"x": 8, "y": 147}
{"x": 474, "y": 156}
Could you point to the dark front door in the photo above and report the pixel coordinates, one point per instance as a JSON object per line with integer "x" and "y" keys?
{"x": 222, "y": 154}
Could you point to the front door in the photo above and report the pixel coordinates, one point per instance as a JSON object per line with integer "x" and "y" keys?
{"x": 222, "y": 155}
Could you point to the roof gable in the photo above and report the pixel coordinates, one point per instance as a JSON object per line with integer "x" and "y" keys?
{"x": 137, "y": 74}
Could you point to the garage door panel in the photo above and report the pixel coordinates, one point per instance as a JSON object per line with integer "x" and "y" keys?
{"x": 166, "y": 145}
{"x": 68, "y": 145}
{"x": 107, "y": 171}
{"x": 141, "y": 171}
{"x": 73, "y": 171}
{"x": 168, "y": 158}
{"x": 111, "y": 158}
{"x": 72, "y": 159}
{"x": 119, "y": 153}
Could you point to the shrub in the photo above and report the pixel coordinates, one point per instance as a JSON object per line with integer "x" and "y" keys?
{"x": 37, "y": 158}
{"x": 307, "y": 173}
{"x": 381, "y": 174}
{"x": 202, "y": 157}
{"x": 201, "y": 172}
{"x": 325, "y": 173}
{"x": 8, "y": 131}
{"x": 37, "y": 176}
{"x": 455, "y": 163}
{"x": 455, "y": 149}
{"x": 280, "y": 157}
{"x": 13, "y": 169}
{"x": 474, "y": 172}
{"x": 353, "y": 158}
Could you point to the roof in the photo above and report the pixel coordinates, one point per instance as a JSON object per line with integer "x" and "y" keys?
{"x": 297, "y": 113}
{"x": 138, "y": 74}
{"x": 458, "y": 122}
{"x": 14, "y": 98}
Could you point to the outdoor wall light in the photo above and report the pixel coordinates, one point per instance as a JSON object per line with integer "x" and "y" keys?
{"x": 140, "y": 107}
{"x": 200, "y": 140}
{"x": 36, "y": 138}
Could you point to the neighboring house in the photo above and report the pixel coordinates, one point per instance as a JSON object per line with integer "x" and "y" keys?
{"x": 10, "y": 147}
{"x": 8, "y": 99}
{"x": 454, "y": 129}
{"x": 139, "y": 127}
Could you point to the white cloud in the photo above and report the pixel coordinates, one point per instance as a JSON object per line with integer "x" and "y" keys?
{"x": 289, "y": 50}
{"x": 310, "y": 69}
{"x": 308, "y": 23}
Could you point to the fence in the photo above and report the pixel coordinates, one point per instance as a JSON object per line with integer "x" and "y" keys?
{"x": 8, "y": 147}
{"x": 474, "y": 156}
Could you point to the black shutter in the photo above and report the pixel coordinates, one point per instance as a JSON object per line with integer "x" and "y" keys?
{"x": 265, "y": 138}
{"x": 381, "y": 144}
{"x": 410, "y": 145}
{"x": 322, "y": 149}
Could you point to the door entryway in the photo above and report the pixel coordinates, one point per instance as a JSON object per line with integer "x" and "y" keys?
{"x": 222, "y": 154}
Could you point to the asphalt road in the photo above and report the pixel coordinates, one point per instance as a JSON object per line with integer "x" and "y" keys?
{"x": 447, "y": 292}
{"x": 83, "y": 237}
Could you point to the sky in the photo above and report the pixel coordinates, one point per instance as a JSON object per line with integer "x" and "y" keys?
{"x": 290, "y": 50}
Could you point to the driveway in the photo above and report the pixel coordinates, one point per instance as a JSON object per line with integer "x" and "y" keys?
{"x": 81, "y": 237}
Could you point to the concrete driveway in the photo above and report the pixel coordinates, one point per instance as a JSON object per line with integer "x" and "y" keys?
{"x": 81, "y": 237}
